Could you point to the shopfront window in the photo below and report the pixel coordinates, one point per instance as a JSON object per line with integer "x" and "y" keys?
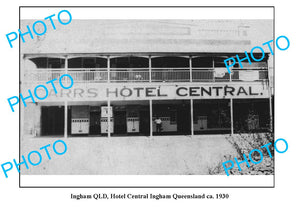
{"x": 251, "y": 115}
{"x": 211, "y": 116}
{"x": 130, "y": 118}
{"x": 174, "y": 115}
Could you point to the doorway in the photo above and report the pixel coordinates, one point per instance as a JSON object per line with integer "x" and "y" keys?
{"x": 175, "y": 116}
{"x": 95, "y": 123}
{"x": 52, "y": 120}
{"x": 184, "y": 118}
{"x": 120, "y": 122}
{"x": 145, "y": 122}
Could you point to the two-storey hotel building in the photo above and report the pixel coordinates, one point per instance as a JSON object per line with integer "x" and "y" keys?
{"x": 132, "y": 72}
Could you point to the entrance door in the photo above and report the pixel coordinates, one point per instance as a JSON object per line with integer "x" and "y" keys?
{"x": 184, "y": 119}
{"x": 95, "y": 123}
{"x": 145, "y": 122}
{"x": 53, "y": 120}
{"x": 120, "y": 122}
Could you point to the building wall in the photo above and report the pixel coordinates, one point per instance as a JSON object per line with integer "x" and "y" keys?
{"x": 109, "y": 36}
{"x": 32, "y": 120}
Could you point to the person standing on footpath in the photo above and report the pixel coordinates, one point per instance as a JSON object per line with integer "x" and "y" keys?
{"x": 158, "y": 124}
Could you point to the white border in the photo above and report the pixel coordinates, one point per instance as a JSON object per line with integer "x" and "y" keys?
{"x": 147, "y": 180}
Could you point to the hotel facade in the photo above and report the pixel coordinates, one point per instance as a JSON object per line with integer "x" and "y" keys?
{"x": 132, "y": 72}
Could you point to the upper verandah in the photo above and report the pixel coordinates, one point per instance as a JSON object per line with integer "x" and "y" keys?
{"x": 160, "y": 68}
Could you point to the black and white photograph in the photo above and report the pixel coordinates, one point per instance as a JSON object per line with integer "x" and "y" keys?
{"x": 149, "y": 96}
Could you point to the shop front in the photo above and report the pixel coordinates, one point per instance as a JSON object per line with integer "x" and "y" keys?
{"x": 174, "y": 116}
{"x": 212, "y": 116}
{"x": 151, "y": 109}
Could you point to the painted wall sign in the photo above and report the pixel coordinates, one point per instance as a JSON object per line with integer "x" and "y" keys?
{"x": 101, "y": 92}
{"x": 105, "y": 111}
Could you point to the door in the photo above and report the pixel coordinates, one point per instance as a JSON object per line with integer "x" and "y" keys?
{"x": 120, "y": 122}
{"x": 145, "y": 122}
{"x": 52, "y": 120}
{"x": 95, "y": 123}
{"x": 184, "y": 119}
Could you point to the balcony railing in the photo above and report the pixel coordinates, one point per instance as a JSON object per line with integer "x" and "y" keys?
{"x": 129, "y": 74}
{"x": 103, "y": 75}
{"x": 88, "y": 75}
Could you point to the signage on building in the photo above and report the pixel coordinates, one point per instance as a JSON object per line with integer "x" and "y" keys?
{"x": 106, "y": 111}
{"x": 103, "y": 92}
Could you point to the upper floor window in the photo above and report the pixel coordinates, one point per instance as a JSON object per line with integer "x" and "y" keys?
{"x": 129, "y": 62}
{"x": 170, "y": 62}
{"x": 87, "y": 62}
{"x": 202, "y": 62}
{"x": 44, "y": 62}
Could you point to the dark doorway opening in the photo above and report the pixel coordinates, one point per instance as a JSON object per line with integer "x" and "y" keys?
{"x": 95, "y": 123}
{"x": 120, "y": 122}
{"x": 52, "y": 120}
{"x": 145, "y": 122}
{"x": 69, "y": 120}
{"x": 184, "y": 118}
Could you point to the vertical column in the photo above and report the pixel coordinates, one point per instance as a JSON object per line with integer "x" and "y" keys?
{"x": 191, "y": 69}
{"x": 150, "y": 69}
{"x": 192, "y": 117}
{"x": 66, "y": 67}
{"x": 213, "y": 61}
{"x": 108, "y": 69}
{"x": 231, "y": 73}
{"x": 191, "y": 101}
{"x": 231, "y": 116}
{"x": 108, "y": 100}
{"x": 66, "y": 103}
{"x": 66, "y": 64}
{"x": 66, "y": 120}
{"x": 108, "y": 118}
{"x": 151, "y": 127}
